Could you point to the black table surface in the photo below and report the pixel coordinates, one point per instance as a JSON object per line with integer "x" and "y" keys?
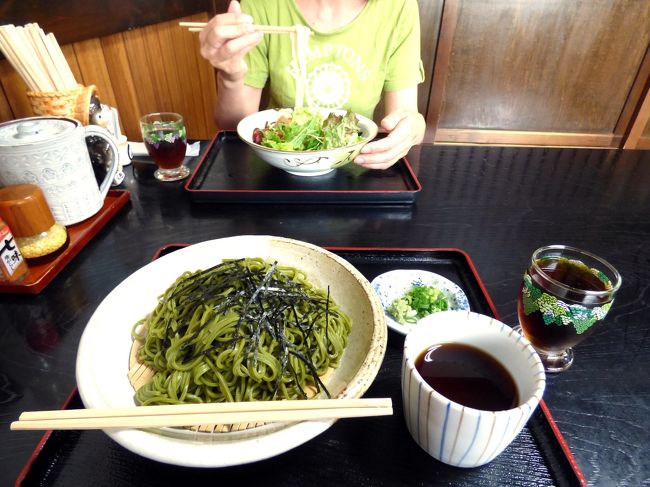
{"x": 497, "y": 204}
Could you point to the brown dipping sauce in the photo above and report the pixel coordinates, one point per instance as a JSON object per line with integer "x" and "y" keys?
{"x": 468, "y": 376}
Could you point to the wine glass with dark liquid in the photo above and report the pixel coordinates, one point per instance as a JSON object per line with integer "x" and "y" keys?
{"x": 165, "y": 138}
{"x": 565, "y": 293}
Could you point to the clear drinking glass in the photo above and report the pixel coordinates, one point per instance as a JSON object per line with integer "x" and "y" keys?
{"x": 165, "y": 138}
{"x": 564, "y": 294}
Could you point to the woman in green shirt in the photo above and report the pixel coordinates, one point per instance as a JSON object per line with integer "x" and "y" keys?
{"x": 360, "y": 52}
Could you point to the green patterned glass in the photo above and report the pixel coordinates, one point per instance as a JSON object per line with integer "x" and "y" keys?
{"x": 565, "y": 292}
{"x": 165, "y": 138}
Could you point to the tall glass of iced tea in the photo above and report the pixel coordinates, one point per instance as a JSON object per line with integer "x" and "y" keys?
{"x": 165, "y": 139}
{"x": 564, "y": 294}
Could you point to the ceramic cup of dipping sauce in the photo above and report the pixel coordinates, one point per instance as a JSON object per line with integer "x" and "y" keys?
{"x": 469, "y": 385}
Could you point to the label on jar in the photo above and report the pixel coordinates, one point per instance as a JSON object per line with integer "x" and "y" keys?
{"x": 10, "y": 257}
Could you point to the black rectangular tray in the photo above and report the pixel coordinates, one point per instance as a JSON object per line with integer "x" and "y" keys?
{"x": 359, "y": 452}
{"x": 230, "y": 172}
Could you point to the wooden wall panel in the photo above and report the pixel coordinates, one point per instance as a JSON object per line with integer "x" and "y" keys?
{"x": 543, "y": 65}
{"x": 154, "y": 68}
{"x": 639, "y": 135}
{"x": 14, "y": 89}
{"x": 93, "y": 71}
{"x": 80, "y": 20}
{"x": 169, "y": 74}
{"x": 5, "y": 108}
{"x": 430, "y": 15}
{"x": 119, "y": 72}
{"x": 73, "y": 62}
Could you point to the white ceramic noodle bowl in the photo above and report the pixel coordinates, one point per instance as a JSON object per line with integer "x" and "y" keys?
{"x": 102, "y": 359}
{"x": 303, "y": 163}
{"x": 452, "y": 433}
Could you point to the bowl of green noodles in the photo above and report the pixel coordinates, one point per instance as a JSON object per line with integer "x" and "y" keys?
{"x": 206, "y": 324}
{"x": 306, "y": 141}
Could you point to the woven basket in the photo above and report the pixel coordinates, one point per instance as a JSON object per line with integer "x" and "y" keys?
{"x": 82, "y": 107}
{"x": 73, "y": 103}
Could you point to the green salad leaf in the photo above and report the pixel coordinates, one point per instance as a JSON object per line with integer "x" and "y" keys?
{"x": 307, "y": 130}
{"x": 416, "y": 303}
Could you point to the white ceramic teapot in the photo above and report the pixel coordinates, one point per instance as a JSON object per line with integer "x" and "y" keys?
{"x": 51, "y": 152}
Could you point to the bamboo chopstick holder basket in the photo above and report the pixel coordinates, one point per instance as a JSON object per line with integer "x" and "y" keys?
{"x": 73, "y": 103}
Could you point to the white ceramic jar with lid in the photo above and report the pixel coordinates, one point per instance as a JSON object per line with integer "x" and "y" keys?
{"x": 51, "y": 152}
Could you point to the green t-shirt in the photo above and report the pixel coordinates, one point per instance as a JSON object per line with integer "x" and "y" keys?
{"x": 346, "y": 68}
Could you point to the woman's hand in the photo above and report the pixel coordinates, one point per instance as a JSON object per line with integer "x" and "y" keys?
{"x": 405, "y": 127}
{"x": 226, "y": 40}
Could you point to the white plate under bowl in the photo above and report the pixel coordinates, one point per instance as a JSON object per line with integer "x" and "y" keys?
{"x": 103, "y": 354}
{"x": 393, "y": 284}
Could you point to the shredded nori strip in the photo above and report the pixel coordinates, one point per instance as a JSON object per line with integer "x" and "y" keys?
{"x": 267, "y": 300}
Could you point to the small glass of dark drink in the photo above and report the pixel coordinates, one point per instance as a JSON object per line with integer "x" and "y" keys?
{"x": 165, "y": 138}
{"x": 564, "y": 294}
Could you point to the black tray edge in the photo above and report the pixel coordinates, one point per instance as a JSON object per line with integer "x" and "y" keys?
{"x": 42, "y": 443}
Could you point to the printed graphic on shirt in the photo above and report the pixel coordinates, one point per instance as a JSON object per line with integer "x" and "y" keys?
{"x": 329, "y": 74}
{"x": 328, "y": 86}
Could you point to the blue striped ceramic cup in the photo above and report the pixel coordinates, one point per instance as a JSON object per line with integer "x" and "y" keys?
{"x": 453, "y": 433}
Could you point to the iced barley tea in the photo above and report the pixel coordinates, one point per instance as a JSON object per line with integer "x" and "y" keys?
{"x": 552, "y": 314}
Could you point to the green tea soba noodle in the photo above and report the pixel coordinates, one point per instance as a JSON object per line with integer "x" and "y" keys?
{"x": 299, "y": 49}
{"x": 244, "y": 330}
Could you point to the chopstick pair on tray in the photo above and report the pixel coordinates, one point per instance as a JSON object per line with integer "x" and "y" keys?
{"x": 197, "y": 414}
{"x": 266, "y": 29}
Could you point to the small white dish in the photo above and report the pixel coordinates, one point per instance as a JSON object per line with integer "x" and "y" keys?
{"x": 393, "y": 284}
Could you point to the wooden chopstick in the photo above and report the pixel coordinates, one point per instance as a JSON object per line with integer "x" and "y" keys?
{"x": 36, "y": 57}
{"x": 267, "y": 29}
{"x": 198, "y": 414}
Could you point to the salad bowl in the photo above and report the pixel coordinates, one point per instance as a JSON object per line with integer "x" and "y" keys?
{"x": 304, "y": 162}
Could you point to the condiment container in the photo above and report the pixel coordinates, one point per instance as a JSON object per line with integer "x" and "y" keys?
{"x": 12, "y": 265}
{"x": 25, "y": 210}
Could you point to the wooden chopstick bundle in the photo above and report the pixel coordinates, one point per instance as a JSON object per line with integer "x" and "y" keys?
{"x": 266, "y": 29}
{"x": 197, "y": 414}
{"x": 36, "y": 57}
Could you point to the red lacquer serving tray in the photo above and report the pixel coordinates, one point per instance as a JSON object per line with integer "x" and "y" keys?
{"x": 347, "y": 454}
{"x": 42, "y": 272}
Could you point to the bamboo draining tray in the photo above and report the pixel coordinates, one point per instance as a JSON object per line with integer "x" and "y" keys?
{"x": 140, "y": 374}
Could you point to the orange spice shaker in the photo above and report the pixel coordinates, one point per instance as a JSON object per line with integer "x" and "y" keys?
{"x": 24, "y": 209}
{"x": 12, "y": 265}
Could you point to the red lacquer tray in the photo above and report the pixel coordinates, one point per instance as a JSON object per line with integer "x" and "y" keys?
{"x": 42, "y": 272}
{"x": 349, "y": 453}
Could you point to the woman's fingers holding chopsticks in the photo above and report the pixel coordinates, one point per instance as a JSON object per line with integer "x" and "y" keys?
{"x": 227, "y": 38}
{"x": 227, "y": 26}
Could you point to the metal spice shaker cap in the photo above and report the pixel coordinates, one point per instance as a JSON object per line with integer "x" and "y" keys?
{"x": 24, "y": 209}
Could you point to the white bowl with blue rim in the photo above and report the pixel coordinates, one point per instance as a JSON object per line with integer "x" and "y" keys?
{"x": 394, "y": 284}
